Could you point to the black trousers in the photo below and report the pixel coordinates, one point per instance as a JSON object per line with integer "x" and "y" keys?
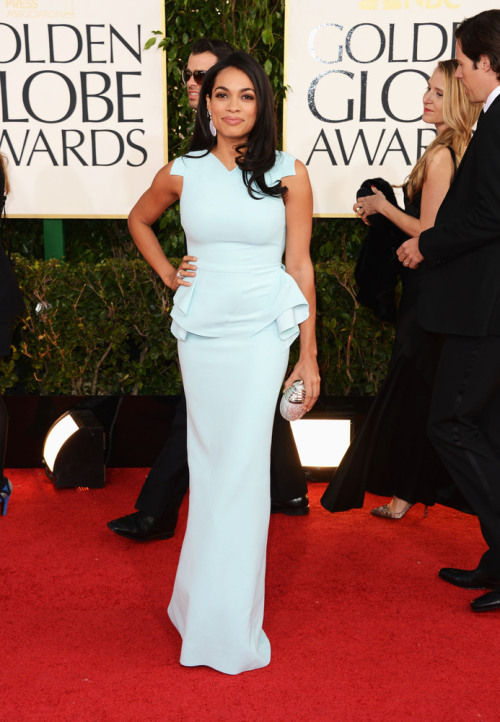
{"x": 4, "y": 426}
{"x": 5, "y": 339}
{"x": 168, "y": 480}
{"x": 464, "y": 426}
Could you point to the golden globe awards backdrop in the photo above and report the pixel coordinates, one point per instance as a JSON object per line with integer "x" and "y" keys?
{"x": 83, "y": 119}
{"x": 356, "y": 72}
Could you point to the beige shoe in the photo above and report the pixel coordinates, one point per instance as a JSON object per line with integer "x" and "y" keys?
{"x": 387, "y": 513}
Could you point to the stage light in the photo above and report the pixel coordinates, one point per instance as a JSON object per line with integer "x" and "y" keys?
{"x": 321, "y": 443}
{"x": 73, "y": 451}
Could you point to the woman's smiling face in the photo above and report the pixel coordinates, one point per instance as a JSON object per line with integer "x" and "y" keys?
{"x": 233, "y": 104}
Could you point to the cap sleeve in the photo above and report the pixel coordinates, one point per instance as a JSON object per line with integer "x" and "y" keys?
{"x": 284, "y": 165}
{"x": 179, "y": 166}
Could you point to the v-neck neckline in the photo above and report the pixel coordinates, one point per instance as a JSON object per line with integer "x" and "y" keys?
{"x": 223, "y": 164}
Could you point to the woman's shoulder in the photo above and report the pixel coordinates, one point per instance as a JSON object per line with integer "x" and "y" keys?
{"x": 284, "y": 164}
{"x": 441, "y": 159}
{"x": 441, "y": 155}
{"x": 183, "y": 163}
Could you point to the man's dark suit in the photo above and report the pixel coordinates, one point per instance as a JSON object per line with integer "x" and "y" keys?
{"x": 460, "y": 298}
{"x": 11, "y": 302}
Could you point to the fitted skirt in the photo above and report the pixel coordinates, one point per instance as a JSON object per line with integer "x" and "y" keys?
{"x": 231, "y": 386}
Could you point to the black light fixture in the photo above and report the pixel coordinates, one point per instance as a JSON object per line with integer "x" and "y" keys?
{"x": 73, "y": 451}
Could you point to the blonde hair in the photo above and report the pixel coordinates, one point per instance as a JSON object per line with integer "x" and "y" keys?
{"x": 459, "y": 115}
{"x": 3, "y": 162}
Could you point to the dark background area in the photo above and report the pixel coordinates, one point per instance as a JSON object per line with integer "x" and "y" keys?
{"x": 135, "y": 427}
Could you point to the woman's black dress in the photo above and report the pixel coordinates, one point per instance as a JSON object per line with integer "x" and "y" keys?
{"x": 391, "y": 454}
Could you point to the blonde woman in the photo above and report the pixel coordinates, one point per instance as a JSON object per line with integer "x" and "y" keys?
{"x": 382, "y": 457}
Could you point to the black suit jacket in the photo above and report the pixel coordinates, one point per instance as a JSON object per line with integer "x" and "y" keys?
{"x": 10, "y": 298}
{"x": 11, "y": 302}
{"x": 460, "y": 291}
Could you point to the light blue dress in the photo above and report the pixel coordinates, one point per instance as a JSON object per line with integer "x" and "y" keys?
{"x": 234, "y": 326}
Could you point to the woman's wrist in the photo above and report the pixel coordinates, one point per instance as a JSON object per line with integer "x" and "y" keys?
{"x": 309, "y": 354}
{"x": 385, "y": 207}
{"x": 169, "y": 278}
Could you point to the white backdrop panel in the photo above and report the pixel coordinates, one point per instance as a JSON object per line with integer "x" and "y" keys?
{"x": 356, "y": 73}
{"x": 82, "y": 105}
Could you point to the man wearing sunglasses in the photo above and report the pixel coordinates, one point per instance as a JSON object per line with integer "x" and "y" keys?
{"x": 204, "y": 54}
{"x": 167, "y": 482}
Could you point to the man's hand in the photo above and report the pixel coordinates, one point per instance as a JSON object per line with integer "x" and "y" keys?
{"x": 408, "y": 253}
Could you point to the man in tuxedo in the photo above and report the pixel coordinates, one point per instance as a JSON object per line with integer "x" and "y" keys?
{"x": 460, "y": 299}
{"x": 167, "y": 482}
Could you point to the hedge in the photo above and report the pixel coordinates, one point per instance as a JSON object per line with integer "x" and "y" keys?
{"x": 103, "y": 328}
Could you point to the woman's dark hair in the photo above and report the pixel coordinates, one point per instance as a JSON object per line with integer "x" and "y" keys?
{"x": 480, "y": 35}
{"x": 258, "y": 154}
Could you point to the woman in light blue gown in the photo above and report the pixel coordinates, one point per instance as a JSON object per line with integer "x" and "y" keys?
{"x": 236, "y": 312}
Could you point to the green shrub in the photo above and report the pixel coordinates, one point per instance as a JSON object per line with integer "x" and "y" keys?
{"x": 92, "y": 329}
{"x": 104, "y": 328}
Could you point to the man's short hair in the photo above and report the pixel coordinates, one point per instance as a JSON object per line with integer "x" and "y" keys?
{"x": 480, "y": 35}
{"x": 220, "y": 48}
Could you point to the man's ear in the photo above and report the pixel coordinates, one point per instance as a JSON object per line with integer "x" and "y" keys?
{"x": 484, "y": 63}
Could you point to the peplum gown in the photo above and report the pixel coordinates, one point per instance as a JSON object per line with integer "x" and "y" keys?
{"x": 234, "y": 326}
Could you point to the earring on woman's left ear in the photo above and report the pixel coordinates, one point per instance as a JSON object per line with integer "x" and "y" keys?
{"x": 212, "y": 127}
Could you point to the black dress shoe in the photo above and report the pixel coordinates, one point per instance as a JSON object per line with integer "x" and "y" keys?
{"x": 474, "y": 579}
{"x": 292, "y": 507}
{"x": 141, "y": 527}
{"x": 487, "y": 602}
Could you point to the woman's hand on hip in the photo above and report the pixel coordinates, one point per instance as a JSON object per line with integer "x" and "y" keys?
{"x": 186, "y": 271}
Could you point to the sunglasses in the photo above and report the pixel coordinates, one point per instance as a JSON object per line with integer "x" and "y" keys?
{"x": 198, "y": 75}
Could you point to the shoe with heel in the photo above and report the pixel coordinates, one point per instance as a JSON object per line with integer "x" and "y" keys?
{"x": 5, "y": 493}
{"x": 386, "y": 512}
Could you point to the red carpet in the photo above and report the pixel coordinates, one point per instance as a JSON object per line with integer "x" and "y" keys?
{"x": 361, "y": 628}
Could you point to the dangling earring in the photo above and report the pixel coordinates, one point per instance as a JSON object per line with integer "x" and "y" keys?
{"x": 212, "y": 127}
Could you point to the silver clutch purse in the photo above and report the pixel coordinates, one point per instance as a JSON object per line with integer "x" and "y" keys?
{"x": 292, "y": 402}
